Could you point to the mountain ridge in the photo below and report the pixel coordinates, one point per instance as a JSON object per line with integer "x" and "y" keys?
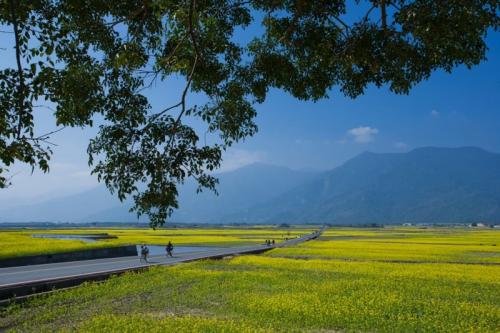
{"x": 395, "y": 188}
{"x": 424, "y": 185}
{"x": 98, "y": 205}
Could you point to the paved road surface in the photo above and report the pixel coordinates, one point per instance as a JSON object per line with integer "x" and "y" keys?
{"x": 13, "y": 276}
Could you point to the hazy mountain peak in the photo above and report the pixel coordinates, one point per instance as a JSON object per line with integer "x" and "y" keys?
{"x": 429, "y": 184}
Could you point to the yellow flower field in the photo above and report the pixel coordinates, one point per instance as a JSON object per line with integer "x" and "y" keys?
{"x": 364, "y": 290}
{"x": 21, "y": 242}
{"x": 393, "y": 244}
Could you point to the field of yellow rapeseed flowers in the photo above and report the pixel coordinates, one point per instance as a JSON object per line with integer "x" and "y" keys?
{"x": 349, "y": 280}
{"x": 21, "y": 242}
{"x": 403, "y": 244}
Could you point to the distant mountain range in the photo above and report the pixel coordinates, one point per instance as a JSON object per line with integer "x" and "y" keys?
{"x": 238, "y": 191}
{"x": 72, "y": 208}
{"x": 426, "y": 185}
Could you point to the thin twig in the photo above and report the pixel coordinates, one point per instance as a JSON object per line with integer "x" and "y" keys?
{"x": 44, "y": 137}
{"x": 368, "y": 13}
{"x": 47, "y": 135}
{"x": 44, "y": 106}
{"x": 9, "y": 179}
{"x": 345, "y": 25}
{"x": 156, "y": 72}
{"x": 47, "y": 142}
{"x": 342, "y": 28}
{"x": 394, "y": 5}
{"x": 183, "y": 103}
{"x": 38, "y": 140}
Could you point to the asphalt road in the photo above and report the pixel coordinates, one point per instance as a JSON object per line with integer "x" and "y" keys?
{"x": 13, "y": 276}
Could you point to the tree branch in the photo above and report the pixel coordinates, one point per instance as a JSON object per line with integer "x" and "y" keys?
{"x": 183, "y": 103}
{"x": 45, "y": 106}
{"x": 369, "y": 12}
{"x": 383, "y": 13}
{"x": 184, "y": 93}
{"x": 44, "y": 137}
{"x": 156, "y": 72}
{"x": 344, "y": 28}
{"x": 47, "y": 135}
{"x": 345, "y": 25}
{"x": 394, "y": 5}
{"x": 192, "y": 8}
{"x": 20, "y": 97}
{"x": 44, "y": 140}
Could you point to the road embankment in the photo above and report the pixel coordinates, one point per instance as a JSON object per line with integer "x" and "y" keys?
{"x": 100, "y": 253}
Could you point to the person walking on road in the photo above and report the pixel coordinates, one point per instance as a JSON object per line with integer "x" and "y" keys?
{"x": 169, "y": 248}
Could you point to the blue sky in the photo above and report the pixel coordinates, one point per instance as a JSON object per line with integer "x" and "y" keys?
{"x": 448, "y": 110}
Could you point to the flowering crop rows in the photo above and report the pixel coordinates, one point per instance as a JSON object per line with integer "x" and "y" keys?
{"x": 354, "y": 280}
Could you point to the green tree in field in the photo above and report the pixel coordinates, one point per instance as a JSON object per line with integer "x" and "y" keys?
{"x": 88, "y": 58}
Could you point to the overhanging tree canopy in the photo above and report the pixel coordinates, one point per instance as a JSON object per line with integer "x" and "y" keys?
{"x": 98, "y": 57}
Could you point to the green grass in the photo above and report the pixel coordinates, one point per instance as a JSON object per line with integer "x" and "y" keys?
{"x": 361, "y": 290}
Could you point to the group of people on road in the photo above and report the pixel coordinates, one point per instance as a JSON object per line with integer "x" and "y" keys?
{"x": 270, "y": 242}
{"x": 169, "y": 248}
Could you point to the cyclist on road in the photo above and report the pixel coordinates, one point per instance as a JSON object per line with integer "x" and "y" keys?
{"x": 169, "y": 248}
{"x": 144, "y": 253}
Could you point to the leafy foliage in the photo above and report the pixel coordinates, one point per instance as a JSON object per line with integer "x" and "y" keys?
{"x": 96, "y": 57}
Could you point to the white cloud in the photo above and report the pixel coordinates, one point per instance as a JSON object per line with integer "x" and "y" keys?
{"x": 236, "y": 158}
{"x": 435, "y": 113}
{"x": 363, "y": 134}
{"x": 401, "y": 145}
